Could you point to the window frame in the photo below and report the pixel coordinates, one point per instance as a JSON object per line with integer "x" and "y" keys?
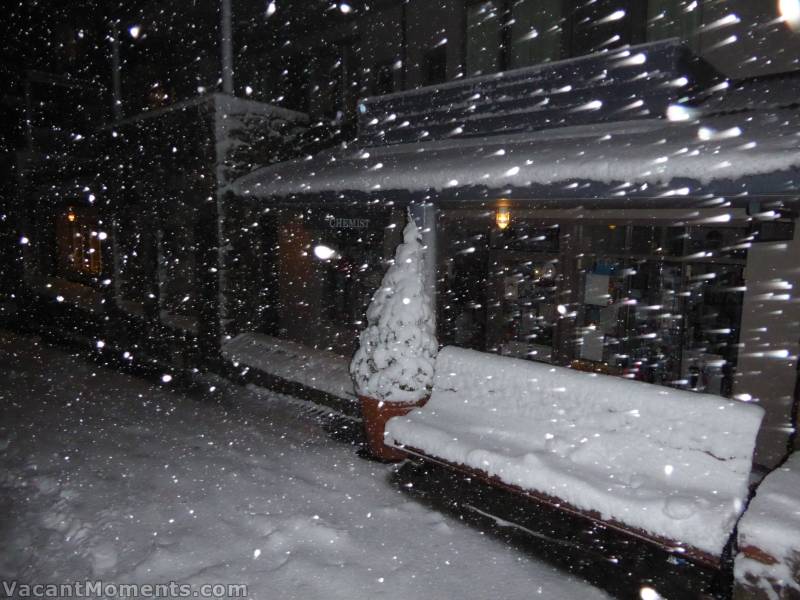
{"x": 503, "y": 8}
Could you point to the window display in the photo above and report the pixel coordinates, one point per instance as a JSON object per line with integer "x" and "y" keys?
{"x": 670, "y": 320}
{"x": 657, "y": 303}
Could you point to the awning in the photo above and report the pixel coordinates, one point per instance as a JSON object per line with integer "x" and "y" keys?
{"x": 734, "y": 155}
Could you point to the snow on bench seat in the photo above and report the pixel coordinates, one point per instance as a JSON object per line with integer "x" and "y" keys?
{"x": 674, "y": 464}
{"x": 316, "y": 369}
{"x": 769, "y": 534}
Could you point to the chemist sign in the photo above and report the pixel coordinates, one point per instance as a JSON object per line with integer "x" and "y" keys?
{"x": 334, "y": 222}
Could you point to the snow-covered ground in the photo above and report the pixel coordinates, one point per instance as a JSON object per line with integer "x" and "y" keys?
{"x": 107, "y": 476}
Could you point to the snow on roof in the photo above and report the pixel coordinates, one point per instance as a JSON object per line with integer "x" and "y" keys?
{"x": 233, "y": 104}
{"x": 222, "y": 102}
{"x": 654, "y": 158}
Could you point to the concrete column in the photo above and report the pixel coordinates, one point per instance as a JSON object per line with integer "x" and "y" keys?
{"x": 767, "y": 368}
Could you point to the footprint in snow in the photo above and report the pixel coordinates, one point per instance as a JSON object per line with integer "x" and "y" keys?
{"x": 103, "y": 557}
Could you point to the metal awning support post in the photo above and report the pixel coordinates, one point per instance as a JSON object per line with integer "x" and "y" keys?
{"x": 226, "y": 43}
{"x": 116, "y": 71}
{"x": 424, "y": 215}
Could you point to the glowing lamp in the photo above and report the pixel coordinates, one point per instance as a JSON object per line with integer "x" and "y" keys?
{"x": 502, "y": 217}
{"x": 71, "y": 217}
{"x": 790, "y": 12}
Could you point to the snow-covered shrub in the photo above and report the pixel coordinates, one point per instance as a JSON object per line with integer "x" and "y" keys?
{"x": 394, "y": 361}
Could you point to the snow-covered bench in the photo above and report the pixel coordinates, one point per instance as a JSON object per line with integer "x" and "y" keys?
{"x": 768, "y": 562}
{"x": 667, "y": 466}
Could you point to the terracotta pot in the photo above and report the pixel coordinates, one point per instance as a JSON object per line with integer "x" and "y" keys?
{"x": 375, "y": 414}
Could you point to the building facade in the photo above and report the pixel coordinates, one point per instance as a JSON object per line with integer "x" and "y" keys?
{"x": 576, "y": 215}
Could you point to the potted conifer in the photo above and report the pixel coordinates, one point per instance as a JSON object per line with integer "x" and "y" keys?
{"x": 393, "y": 367}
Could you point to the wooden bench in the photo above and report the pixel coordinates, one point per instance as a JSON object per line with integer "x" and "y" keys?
{"x": 663, "y": 466}
{"x": 768, "y": 562}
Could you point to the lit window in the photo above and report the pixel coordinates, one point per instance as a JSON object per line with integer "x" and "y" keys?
{"x": 79, "y": 242}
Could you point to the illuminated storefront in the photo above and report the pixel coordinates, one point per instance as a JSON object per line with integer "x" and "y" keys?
{"x": 658, "y": 302}
{"x": 584, "y": 225}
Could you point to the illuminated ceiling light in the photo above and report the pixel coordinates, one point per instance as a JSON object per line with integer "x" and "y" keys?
{"x": 323, "y": 252}
{"x": 790, "y": 12}
{"x": 502, "y": 217}
{"x": 134, "y": 31}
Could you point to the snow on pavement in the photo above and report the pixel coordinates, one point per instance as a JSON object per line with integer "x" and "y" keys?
{"x": 108, "y": 476}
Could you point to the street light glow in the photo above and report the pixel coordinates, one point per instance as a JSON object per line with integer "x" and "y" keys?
{"x": 790, "y": 12}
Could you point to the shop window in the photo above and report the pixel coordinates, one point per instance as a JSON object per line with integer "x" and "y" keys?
{"x": 528, "y": 309}
{"x": 674, "y": 18}
{"x": 484, "y": 37}
{"x": 435, "y": 65}
{"x": 656, "y": 303}
{"x": 605, "y": 238}
{"x": 524, "y": 288}
{"x": 463, "y": 303}
{"x": 79, "y": 243}
{"x": 661, "y": 304}
{"x": 328, "y": 267}
{"x": 351, "y": 277}
{"x": 536, "y": 32}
